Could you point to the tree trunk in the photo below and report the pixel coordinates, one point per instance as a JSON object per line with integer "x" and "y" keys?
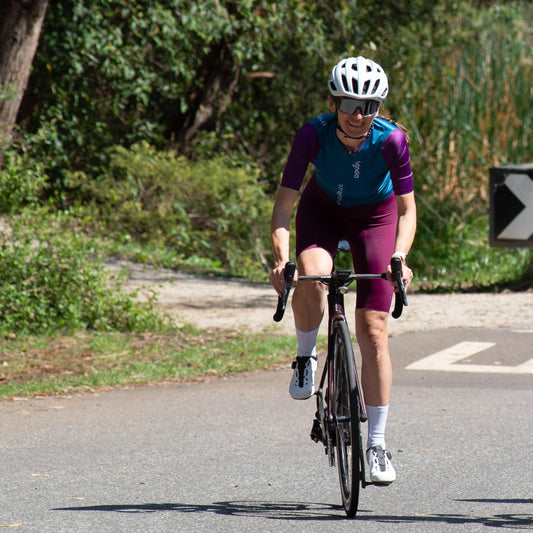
{"x": 20, "y": 27}
{"x": 208, "y": 103}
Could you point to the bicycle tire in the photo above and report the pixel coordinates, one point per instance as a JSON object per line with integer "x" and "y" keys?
{"x": 346, "y": 419}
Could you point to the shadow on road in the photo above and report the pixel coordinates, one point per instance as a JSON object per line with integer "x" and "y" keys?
{"x": 316, "y": 511}
{"x": 274, "y": 510}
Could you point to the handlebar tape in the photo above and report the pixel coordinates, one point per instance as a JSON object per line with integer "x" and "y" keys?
{"x": 290, "y": 269}
{"x": 401, "y": 296}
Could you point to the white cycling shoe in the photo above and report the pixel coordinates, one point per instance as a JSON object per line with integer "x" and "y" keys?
{"x": 381, "y": 470}
{"x": 302, "y": 384}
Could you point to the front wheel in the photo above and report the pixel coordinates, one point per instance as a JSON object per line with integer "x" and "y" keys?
{"x": 346, "y": 418}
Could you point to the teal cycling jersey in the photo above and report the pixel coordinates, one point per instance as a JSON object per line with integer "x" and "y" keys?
{"x": 369, "y": 175}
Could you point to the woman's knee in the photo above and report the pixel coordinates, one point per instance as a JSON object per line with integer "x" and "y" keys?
{"x": 371, "y": 328}
{"x": 314, "y": 262}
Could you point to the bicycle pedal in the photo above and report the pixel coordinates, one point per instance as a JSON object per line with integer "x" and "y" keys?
{"x": 380, "y": 483}
{"x": 316, "y": 431}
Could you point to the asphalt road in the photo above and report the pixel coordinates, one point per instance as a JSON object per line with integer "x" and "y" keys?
{"x": 234, "y": 454}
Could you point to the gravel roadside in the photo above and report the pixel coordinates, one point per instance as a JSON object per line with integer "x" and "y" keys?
{"x": 234, "y": 304}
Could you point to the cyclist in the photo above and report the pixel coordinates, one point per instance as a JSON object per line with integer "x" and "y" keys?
{"x": 361, "y": 191}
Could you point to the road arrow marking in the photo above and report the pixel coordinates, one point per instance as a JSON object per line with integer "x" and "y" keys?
{"x": 521, "y": 227}
{"x": 446, "y": 360}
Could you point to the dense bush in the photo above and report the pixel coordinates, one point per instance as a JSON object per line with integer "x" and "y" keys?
{"x": 22, "y": 180}
{"x": 172, "y": 72}
{"x": 209, "y": 209}
{"x": 49, "y": 283}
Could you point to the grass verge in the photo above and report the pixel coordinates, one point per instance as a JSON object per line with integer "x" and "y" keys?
{"x": 32, "y": 366}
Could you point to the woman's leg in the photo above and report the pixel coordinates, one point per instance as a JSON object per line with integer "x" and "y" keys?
{"x": 376, "y": 370}
{"x": 372, "y": 250}
{"x": 316, "y": 243}
{"x": 376, "y": 378}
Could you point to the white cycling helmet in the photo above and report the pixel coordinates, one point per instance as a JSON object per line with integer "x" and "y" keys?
{"x": 360, "y": 78}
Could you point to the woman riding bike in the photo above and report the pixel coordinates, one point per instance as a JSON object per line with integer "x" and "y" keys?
{"x": 362, "y": 192}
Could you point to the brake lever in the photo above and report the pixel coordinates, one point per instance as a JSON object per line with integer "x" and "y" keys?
{"x": 290, "y": 269}
{"x": 401, "y": 295}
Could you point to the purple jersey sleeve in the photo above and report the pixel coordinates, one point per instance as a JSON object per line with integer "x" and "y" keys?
{"x": 305, "y": 149}
{"x": 396, "y": 156}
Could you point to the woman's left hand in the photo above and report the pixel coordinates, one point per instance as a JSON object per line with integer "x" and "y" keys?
{"x": 407, "y": 276}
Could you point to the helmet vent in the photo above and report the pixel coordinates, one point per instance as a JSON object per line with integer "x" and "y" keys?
{"x": 345, "y": 83}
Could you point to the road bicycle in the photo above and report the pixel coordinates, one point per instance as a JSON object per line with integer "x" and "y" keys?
{"x": 340, "y": 404}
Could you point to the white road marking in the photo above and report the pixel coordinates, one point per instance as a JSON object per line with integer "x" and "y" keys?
{"x": 446, "y": 360}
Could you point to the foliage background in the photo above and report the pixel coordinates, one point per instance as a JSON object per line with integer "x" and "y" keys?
{"x": 158, "y": 130}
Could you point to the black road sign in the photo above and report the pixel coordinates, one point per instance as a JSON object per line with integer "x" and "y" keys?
{"x": 511, "y": 206}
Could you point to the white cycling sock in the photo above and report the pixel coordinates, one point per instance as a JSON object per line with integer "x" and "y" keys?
{"x": 307, "y": 342}
{"x": 377, "y": 420}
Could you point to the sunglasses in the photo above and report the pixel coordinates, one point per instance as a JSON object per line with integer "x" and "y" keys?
{"x": 368, "y": 107}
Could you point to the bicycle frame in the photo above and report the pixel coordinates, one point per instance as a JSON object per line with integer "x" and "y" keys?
{"x": 336, "y": 312}
{"x": 337, "y": 287}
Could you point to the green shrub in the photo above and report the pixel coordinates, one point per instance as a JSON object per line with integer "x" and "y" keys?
{"x": 212, "y": 209}
{"x": 48, "y": 284}
{"x": 454, "y": 253}
{"x": 21, "y": 181}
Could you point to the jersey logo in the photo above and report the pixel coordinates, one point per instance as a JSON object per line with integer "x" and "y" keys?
{"x": 356, "y": 170}
{"x": 340, "y": 188}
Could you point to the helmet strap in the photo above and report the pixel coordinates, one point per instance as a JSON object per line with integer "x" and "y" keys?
{"x": 364, "y": 136}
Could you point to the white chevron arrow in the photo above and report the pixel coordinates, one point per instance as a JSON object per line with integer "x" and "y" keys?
{"x": 521, "y": 227}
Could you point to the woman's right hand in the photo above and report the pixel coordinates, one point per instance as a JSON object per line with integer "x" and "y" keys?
{"x": 277, "y": 278}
